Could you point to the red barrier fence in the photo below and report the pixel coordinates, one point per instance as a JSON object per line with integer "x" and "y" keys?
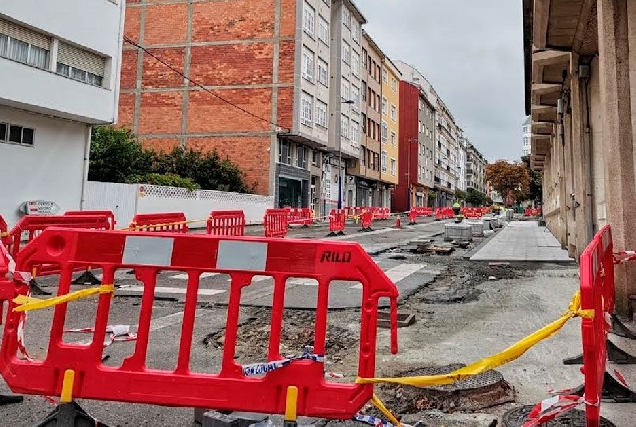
{"x": 443, "y": 213}
{"x": 275, "y": 222}
{"x": 108, "y": 214}
{"x": 4, "y": 230}
{"x": 337, "y": 222}
{"x": 367, "y": 220}
{"x": 6, "y": 286}
{"x": 532, "y": 212}
{"x": 166, "y": 222}
{"x": 597, "y": 293}
{"x": 76, "y": 370}
{"x": 472, "y": 212}
{"x": 33, "y": 225}
{"x": 226, "y": 223}
{"x": 300, "y": 216}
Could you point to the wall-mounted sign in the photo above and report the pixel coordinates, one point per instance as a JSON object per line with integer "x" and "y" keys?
{"x": 39, "y": 207}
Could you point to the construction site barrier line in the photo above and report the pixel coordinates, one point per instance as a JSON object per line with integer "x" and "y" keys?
{"x": 167, "y": 224}
{"x": 26, "y": 303}
{"x": 508, "y": 355}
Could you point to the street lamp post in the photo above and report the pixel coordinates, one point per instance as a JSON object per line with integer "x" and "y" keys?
{"x": 349, "y": 101}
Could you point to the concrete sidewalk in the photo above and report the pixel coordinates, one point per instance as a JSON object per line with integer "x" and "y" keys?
{"x": 523, "y": 241}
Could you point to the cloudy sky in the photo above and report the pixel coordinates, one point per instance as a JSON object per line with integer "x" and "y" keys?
{"x": 472, "y": 53}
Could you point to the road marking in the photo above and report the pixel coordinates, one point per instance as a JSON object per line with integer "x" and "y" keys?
{"x": 160, "y": 323}
{"x": 399, "y": 273}
{"x": 169, "y": 290}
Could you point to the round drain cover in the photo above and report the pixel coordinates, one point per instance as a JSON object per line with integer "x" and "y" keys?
{"x": 576, "y": 418}
{"x": 470, "y": 394}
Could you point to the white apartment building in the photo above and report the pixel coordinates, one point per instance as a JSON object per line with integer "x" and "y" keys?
{"x": 527, "y": 136}
{"x": 59, "y": 64}
{"x": 461, "y": 162}
{"x": 345, "y": 126}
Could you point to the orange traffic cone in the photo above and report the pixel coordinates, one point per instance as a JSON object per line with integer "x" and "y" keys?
{"x": 398, "y": 222}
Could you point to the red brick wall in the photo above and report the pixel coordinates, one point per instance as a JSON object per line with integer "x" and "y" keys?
{"x": 222, "y": 66}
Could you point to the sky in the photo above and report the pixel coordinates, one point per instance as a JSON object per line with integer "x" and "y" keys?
{"x": 471, "y": 52}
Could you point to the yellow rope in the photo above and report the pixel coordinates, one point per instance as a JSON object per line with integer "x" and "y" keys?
{"x": 26, "y": 303}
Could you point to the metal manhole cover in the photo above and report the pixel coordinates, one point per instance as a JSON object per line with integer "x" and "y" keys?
{"x": 576, "y": 418}
{"x": 470, "y": 394}
{"x": 487, "y": 379}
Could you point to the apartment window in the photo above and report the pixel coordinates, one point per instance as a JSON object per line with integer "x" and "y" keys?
{"x": 309, "y": 19}
{"x": 16, "y": 134}
{"x": 393, "y": 84}
{"x": 364, "y": 123}
{"x": 315, "y": 158}
{"x": 355, "y": 63}
{"x": 393, "y": 113}
{"x": 346, "y": 17}
{"x": 355, "y": 32}
{"x": 384, "y": 161}
{"x": 346, "y": 52}
{"x": 321, "y": 113}
{"x": 306, "y": 109}
{"x": 24, "y": 45}
{"x": 323, "y": 30}
{"x": 364, "y": 91}
{"x": 393, "y": 138}
{"x": 365, "y": 58}
{"x": 355, "y": 97}
{"x": 377, "y": 100}
{"x": 79, "y": 64}
{"x": 344, "y": 127}
{"x": 301, "y": 156}
{"x": 284, "y": 152}
{"x": 323, "y": 72}
{"x": 328, "y": 189}
{"x": 385, "y": 130}
{"x": 384, "y": 106}
{"x": 308, "y": 64}
{"x": 345, "y": 90}
{"x": 384, "y": 76}
{"x": 355, "y": 133}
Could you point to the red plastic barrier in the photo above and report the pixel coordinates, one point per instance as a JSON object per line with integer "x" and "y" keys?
{"x": 300, "y": 216}
{"x": 226, "y": 223}
{"x": 597, "y": 293}
{"x": 133, "y": 382}
{"x": 4, "y": 230}
{"x": 33, "y": 225}
{"x": 166, "y": 222}
{"x": 367, "y": 220}
{"x": 337, "y": 221}
{"x": 413, "y": 214}
{"x": 109, "y": 214}
{"x": 6, "y": 286}
{"x": 275, "y": 222}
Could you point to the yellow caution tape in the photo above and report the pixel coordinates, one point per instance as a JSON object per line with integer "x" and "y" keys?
{"x": 492, "y": 362}
{"x": 378, "y": 404}
{"x": 167, "y": 224}
{"x": 26, "y": 303}
{"x": 4, "y": 234}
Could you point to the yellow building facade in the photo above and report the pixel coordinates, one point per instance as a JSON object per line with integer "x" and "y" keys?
{"x": 390, "y": 127}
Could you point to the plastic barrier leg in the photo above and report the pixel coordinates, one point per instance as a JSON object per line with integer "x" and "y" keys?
{"x": 9, "y": 400}
{"x": 614, "y": 354}
{"x": 69, "y": 414}
{"x": 36, "y": 289}
{"x": 87, "y": 278}
{"x": 612, "y": 390}
{"x": 618, "y": 328}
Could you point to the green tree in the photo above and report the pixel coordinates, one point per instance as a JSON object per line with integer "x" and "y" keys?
{"x": 116, "y": 154}
{"x": 460, "y": 195}
{"x": 475, "y": 197}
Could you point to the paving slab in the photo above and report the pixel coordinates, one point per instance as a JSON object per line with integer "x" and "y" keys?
{"x": 523, "y": 241}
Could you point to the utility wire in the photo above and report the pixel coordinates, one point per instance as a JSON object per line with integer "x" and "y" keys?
{"x": 197, "y": 84}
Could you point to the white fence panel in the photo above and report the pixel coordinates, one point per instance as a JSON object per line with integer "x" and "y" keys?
{"x": 125, "y": 200}
{"x": 121, "y": 199}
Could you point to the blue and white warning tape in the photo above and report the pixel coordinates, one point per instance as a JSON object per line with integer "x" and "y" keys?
{"x": 264, "y": 368}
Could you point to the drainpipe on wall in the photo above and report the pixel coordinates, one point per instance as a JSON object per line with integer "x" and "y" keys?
{"x": 584, "y": 75}
{"x": 87, "y": 153}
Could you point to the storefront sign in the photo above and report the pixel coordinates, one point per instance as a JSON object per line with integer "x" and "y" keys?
{"x": 40, "y": 207}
